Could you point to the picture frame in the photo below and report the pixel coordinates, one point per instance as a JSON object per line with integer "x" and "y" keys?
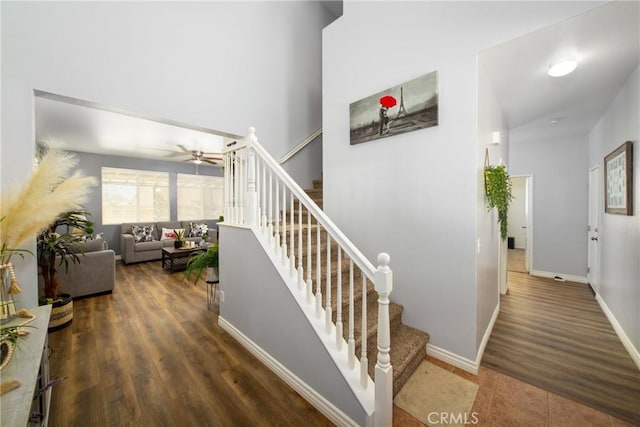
{"x": 407, "y": 107}
{"x": 618, "y": 180}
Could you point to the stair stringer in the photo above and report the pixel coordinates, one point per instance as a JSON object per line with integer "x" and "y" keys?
{"x": 263, "y": 307}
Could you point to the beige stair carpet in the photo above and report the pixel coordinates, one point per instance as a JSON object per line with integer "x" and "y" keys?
{"x": 434, "y": 395}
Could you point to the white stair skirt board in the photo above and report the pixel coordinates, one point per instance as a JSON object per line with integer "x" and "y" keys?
{"x": 626, "y": 342}
{"x": 567, "y": 277}
{"x": 334, "y": 414}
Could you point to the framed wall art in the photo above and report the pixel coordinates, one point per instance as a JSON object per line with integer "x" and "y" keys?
{"x": 403, "y": 108}
{"x": 618, "y": 180}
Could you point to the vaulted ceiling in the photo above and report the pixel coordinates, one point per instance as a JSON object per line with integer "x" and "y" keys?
{"x": 606, "y": 43}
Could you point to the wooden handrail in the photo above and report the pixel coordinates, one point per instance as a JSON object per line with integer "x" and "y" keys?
{"x": 300, "y": 146}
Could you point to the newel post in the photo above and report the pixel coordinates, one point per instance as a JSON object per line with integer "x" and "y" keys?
{"x": 383, "y": 371}
{"x": 252, "y": 193}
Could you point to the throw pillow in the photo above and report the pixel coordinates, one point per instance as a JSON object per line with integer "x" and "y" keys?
{"x": 142, "y": 233}
{"x": 198, "y": 230}
{"x": 169, "y": 233}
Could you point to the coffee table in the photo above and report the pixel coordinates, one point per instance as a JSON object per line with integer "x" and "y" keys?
{"x": 176, "y": 259}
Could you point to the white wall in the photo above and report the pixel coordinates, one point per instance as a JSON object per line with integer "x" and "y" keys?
{"x": 560, "y": 169}
{"x": 489, "y": 273}
{"x": 620, "y": 235}
{"x": 416, "y": 195}
{"x": 220, "y": 65}
{"x": 258, "y": 303}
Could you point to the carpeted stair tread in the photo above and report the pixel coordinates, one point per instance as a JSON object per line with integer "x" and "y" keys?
{"x": 408, "y": 345}
{"x": 408, "y": 349}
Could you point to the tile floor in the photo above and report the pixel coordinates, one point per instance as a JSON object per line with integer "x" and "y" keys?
{"x": 505, "y": 401}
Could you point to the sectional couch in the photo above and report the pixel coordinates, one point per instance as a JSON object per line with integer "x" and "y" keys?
{"x": 149, "y": 247}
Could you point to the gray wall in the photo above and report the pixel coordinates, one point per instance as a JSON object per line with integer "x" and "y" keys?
{"x": 560, "y": 169}
{"x": 91, "y": 165}
{"x": 619, "y": 282}
{"x": 219, "y": 65}
{"x": 258, "y": 303}
{"x": 416, "y": 195}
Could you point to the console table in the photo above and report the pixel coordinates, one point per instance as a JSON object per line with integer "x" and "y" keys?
{"x": 29, "y": 365}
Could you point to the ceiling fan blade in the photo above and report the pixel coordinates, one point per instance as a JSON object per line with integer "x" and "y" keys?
{"x": 211, "y": 162}
{"x": 183, "y": 148}
{"x": 211, "y": 158}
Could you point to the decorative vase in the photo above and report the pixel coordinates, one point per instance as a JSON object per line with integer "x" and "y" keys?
{"x": 61, "y": 313}
{"x": 177, "y": 244}
{"x": 7, "y": 305}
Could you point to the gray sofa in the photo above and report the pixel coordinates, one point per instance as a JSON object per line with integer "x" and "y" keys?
{"x": 133, "y": 251}
{"x": 94, "y": 274}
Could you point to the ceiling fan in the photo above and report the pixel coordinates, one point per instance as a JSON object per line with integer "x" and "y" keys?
{"x": 198, "y": 156}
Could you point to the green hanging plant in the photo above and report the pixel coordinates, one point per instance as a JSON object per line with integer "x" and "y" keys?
{"x": 498, "y": 190}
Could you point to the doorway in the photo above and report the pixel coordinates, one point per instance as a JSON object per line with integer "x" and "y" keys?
{"x": 593, "y": 250}
{"x": 519, "y": 230}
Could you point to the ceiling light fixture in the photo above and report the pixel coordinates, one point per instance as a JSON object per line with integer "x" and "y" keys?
{"x": 563, "y": 67}
{"x": 197, "y": 161}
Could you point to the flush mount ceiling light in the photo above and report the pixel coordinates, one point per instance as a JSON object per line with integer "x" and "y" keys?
{"x": 562, "y": 68}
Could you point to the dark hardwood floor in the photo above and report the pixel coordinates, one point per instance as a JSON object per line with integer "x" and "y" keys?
{"x": 151, "y": 354}
{"x": 555, "y": 336}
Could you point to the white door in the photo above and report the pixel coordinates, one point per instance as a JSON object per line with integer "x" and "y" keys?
{"x": 593, "y": 257}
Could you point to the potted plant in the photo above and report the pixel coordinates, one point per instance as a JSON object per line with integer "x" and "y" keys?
{"x": 201, "y": 261}
{"x": 47, "y": 191}
{"x": 179, "y": 238}
{"x": 58, "y": 244}
{"x": 498, "y": 191}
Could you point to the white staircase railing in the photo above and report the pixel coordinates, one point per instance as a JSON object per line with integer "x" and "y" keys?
{"x": 300, "y": 146}
{"x": 260, "y": 194}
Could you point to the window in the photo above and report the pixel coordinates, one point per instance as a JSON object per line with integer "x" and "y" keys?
{"x": 130, "y": 195}
{"x": 199, "y": 196}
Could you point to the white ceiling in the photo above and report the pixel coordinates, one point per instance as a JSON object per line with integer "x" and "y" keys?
{"x": 606, "y": 43}
{"x": 77, "y": 125}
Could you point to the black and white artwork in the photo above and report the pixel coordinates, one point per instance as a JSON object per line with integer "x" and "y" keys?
{"x": 409, "y": 106}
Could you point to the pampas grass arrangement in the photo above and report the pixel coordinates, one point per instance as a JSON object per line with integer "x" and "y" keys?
{"x": 47, "y": 192}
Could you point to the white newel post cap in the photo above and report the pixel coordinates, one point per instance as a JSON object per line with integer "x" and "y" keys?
{"x": 384, "y": 275}
{"x": 252, "y": 134}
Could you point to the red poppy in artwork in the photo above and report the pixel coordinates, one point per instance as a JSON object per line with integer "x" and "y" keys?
{"x": 388, "y": 101}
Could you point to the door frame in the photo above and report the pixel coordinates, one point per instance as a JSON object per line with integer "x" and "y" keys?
{"x": 529, "y": 203}
{"x": 593, "y": 260}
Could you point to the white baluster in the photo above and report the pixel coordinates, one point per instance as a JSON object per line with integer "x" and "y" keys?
{"x": 383, "y": 370}
{"x": 328, "y": 310}
{"x": 292, "y": 235}
{"x": 339, "y": 334}
{"x": 236, "y": 186}
{"x": 284, "y": 223}
{"x": 251, "y": 194}
{"x": 277, "y": 218}
{"x": 364, "y": 363}
{"x": 309, "y": 272}
{"x": 301, "y": 283}
{"x": 264, "y": 197}
{"x": 352, "y": 340}
{"x": 227, "y": 187}
{"x": 241, "y": 188}
{"x": 270, "y": 211}
{"x": 318, "y": 276}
